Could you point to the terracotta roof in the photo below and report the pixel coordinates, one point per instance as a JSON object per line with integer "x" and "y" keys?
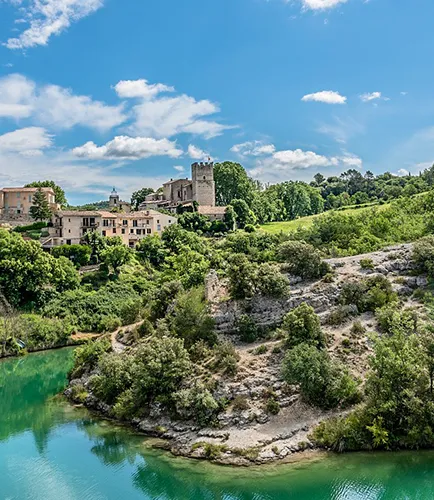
{"x": 26, "y": 190}
{"x": 187, "y": 181}
{"x": 209, "y": 210}
{"x": 85, "y": 213}
{"x": 144, "y": 214}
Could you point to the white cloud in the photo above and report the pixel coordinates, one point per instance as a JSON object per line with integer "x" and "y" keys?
{"x": 253, "y": 148}
{"x": 321, "y": 4}
{"x": 26, "y": 141}
{"x": 128, "y": 148}
{"x": 140, "y": 88}
{"x": 282, "y": 165}
{"x": 403, "y": 93}
{"x": 372, "y": 96}
{"x": 196, "y": 153}
{"x": 403, "y": 172}
{"x": 49, "y": 17}
{"x": 51, "y": 105}
{"x": 326, "y": 96}
{"x": 179, "y": 168}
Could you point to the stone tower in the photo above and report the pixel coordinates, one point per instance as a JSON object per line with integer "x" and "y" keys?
{"x": 202, "y": 176}
{"x": 114, "y": 199}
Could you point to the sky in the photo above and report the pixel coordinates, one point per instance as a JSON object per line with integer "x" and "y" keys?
{"x": 97, "y": 94}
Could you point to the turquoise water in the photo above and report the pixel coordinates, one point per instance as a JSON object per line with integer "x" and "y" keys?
{"x": 50, "y": 451}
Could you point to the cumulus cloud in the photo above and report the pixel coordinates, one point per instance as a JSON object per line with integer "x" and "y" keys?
{"x": 28, "y": 141}
{"x": 196, "y": 153}
{"x": 128, "y": 148}
{"x": 179, "y": 168}
{"x": 46, "y": 18}
{"x": 163, "y": 116}
{"x": 325, "y": 96}
{"x": 403, "y": 172}
{"x": 322, "y": 4}
{"x": 281, "y": 164}
{"x": 52, "y": 105}
{"x": 140, "y": 88}
{"x": 253, "y": 148}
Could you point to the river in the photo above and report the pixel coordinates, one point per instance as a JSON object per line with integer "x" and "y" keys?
{"x": 52, "y": 451}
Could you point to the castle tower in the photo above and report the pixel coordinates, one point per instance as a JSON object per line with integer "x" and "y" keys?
{"x": 114, "y": 199}
{"x": 202, "y": 176}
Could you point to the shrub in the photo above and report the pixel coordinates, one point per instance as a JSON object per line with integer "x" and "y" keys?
{"x": 226, "y": 358}
{"x": 391, "y": 319}
{"x": 249, "y": 228}
{"x": 78, "y": 254}
{"x": 86, "y": 357}
{"x": 341, "y": 313}
{"x": 302, "y": 325}
{"x": 240, "y": 403}
{"x": 357, "y": 328}
{"x": 196, "y": 403}
{"x": 423, "y": 254}
{"x": 323, "y": 382}
{"x": 368, "y": 295}
{"x": 302, "y": 259}
{"x": 79, "y": 393}
{"x": 247, "y": 329}
{"x": 262, "y": 349}
{"x": 272, "y": 406}
{"x": 367, "y": 264}
{"x": 270, "y": 282}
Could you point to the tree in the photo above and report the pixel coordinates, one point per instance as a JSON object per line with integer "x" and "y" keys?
{"x": 323, "y": 382}
{"x": 243, "y": 213}
{"x": 152, "y": 249}
{"x": 40, "y": 210}
{"x": 232, "y": 182}
{"x": 302, "y": 325}
{"x": 97, "y": 243}
{"x": 58, "y": 191}
{"x": 230, "y": 218}
{"x": 191, "y": 320}
{"x": 139, "y": 196}
{"x": 194, "y": 221}
{"x": 302, "y": 259}
{"x": 114, "y": 257}
{"x": 78, "y": 254}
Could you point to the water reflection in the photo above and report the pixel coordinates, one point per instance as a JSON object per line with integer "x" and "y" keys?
{"x": 50, "y": 450}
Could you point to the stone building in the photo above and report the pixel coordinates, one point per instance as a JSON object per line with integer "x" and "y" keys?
{"x": 15, "y": 202}
{"x": 115, "y": 203}
{"x": 200, "y": 188}
{"x": 69, "y": 226}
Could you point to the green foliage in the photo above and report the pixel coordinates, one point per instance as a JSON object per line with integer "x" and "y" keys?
{"x": 40, "y": 209}
{"x": 302, "y": 259}
{"x": 116, "y": 256}
{"x": 152, "y": 250}
{"x": 232, "y": 182}
{"x": 78, "y": 254}
{"x": 247, "y": 279}
{"x": 244, "y": 216}
{"x": 392, "y": 318}
{"x": 28, "y": 275}
{"x": 423, "y": 254}
{"x": 139, "y": 196}
{"x": 272, "y": 406}
{"x": 341, "y": 313}
{"x": 190, "y": 319}
{"x": 226, "y": 358}
{"x": 368, "y": 295}
{"x": 36, "y": 226}
{"x": 302, "y": 325}
{"x": 367, "y": 264}
{"x": 247, "y": 329}
{"x": 194, "y": 221}
{"x": 97, "y": 311}
{"x": 87, "y": 356}
{"x": 97, "y": 243}
{"x": 196, "y": 403}
{"x": 322, "y": 381}
{"x": 59, "y": 193}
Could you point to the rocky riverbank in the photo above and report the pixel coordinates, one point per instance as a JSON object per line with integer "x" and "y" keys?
{"x": 250, "y": 430}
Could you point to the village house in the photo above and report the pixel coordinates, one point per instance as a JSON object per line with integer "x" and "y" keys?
{"x": 200, "y": 190}
{"x": 69, "y": 226}
{"x": 15, "y": 202}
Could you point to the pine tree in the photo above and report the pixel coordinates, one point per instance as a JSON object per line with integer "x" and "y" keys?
{"x": 40, "y": 210}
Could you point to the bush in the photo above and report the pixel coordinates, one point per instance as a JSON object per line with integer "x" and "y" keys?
{"x": 323, "y": 382}
{"x": 302, "y": 325}
{"x": 86, "y": 357}
{"x": 249, "y": 228}
{"x": 226, "y": 358}
{"x": 240, "y": 403}
{"x": 367, "y": 264}
{"x": 368, "y": 295}
{"x": 196, "y": 403}
{"x": 302, "y": 259}
{"x": 78, "y": 254}
{"x": 247, "y": 329}
{"x": 423, "y": 254}
{"x": 357, "y": 328}
{"x": 341, "y": 313}
{"x": 272, "y": 406}
{"x": 36, "y": 226}
{"x": 391, "y": 319}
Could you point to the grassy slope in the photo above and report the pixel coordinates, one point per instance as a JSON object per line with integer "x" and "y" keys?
{"x": 293, "y": 225}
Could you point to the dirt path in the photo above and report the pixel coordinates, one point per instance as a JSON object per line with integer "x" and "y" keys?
{"x": 116, "y": 345}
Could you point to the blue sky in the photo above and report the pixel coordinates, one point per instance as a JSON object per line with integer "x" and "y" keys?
{"x": 102, "y": 93}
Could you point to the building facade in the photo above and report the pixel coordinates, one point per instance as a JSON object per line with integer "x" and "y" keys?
{"x": 70, "y": 226}
{"x": 200, "y": 188}
{"x": 15, "y": 203}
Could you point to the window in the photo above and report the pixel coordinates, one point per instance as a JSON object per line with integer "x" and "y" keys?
{"x": 170, "y": 222}
{"x": 134, "y": 223}
{"x": 148, "y": 231}
{"x": 92, "y": 221}
{"x": 30, "y": 198}
{"x": 148, "y": 222}
{"x": 69, "y": 220}
{"x": 159, "y": 227}
{"x": 105, "y": 223}
{"x": 204, "y": 178}
{"x": 69, "y": 230}
{"x": 114, "y": 230}
{"x": 125, "y": 223}
{"x": 131, "y": 231}
{"x": 123, "y": 231}
{"x": 139, "y": 231}
{"x": 158, "y": 222}
{"x": 18, "y": 195}
{"x": 104, "y": 233}
{"x": 68, "y": 242}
